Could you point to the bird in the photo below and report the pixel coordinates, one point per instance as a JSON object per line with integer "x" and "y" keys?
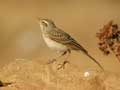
{"x": 61, "y": 41}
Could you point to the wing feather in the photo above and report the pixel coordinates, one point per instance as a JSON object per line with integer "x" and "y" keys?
{"x": 62, "y": 37}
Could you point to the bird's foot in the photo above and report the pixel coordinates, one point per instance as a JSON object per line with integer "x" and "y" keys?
{"x": 51, "y": 61}
{"x": 62, "y": 65}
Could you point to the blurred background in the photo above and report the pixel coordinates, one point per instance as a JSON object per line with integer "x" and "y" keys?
{"x": 20, "y": 35}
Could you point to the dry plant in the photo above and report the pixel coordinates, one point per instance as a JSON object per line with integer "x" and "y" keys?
{"x": 3, "y": 84}
{"x": 109, "y": 39}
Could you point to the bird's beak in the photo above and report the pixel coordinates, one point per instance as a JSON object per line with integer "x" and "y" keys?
{"x": 38, "y": 18}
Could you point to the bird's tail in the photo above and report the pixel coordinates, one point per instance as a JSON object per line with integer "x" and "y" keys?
{"x": 93, "y": 59}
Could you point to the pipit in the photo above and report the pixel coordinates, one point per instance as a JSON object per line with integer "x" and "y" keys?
{"x": 61, "y": 41}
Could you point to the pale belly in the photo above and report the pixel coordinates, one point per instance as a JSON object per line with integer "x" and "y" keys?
{"x": 54, "y": 45}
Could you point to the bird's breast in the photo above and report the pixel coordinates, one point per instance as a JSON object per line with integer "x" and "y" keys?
{"x": 54, "y": 45}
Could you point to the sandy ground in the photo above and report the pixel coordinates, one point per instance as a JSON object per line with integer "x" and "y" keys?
{"x": 23, "y": 53}
{"x": 33, "y": 75}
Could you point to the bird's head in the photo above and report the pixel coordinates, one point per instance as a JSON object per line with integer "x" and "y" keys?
{"x": 46, "y": 24}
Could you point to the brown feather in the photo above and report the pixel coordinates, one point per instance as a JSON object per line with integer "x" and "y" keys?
{"x": 65, "y": 39}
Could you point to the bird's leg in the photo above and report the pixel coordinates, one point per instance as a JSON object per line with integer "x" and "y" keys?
{"x": 55, "y": 59}
{"x": 69, "y": 52}
{"x": 65, "y": 62}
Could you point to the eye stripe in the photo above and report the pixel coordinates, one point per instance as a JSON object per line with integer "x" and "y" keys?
{"x": 45, "y": 21}
{"x": 46, "y": 24}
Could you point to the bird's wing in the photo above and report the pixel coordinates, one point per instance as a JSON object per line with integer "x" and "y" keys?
{"x": 62, "y": 37}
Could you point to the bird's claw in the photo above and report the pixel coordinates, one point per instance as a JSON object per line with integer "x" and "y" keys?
{"x": 62, "y": 66}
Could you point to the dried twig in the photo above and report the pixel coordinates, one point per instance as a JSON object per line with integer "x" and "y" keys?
{"x": 109, "y": 39}
{"x": 3, "y": 84}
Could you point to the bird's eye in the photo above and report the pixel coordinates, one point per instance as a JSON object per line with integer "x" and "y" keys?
{"x": 45, "y": 24}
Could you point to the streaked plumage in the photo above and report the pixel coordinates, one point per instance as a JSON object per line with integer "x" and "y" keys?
{"x": 59, "y": 40}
